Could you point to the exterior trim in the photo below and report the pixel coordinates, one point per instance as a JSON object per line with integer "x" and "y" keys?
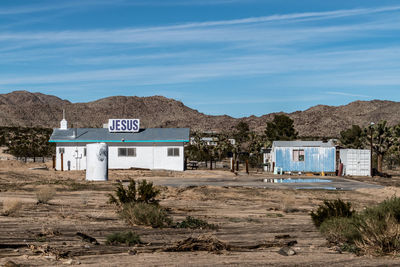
{"x": 116, "y": 141}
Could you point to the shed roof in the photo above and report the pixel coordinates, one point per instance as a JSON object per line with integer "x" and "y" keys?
{"x": 302, "y": 144}
{"x": 103, "y": 135}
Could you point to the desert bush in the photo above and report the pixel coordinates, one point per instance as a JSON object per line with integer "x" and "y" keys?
{"x": 329, "y": 209}
{"x": 379, "y": 228}
{"x": 45, "y": 194}
{"x": 147, "y": 193}
{"x": 379, "y": 237}
{"x": 340, "y": 230}
{"x": 144, "y": 192}
{"x": 11, "y": 206}
{"x": 194, "y": 223}
{"x": 128, "y": 238}
{"x": 145, "y": 214}
{"x": 374, "y": 231}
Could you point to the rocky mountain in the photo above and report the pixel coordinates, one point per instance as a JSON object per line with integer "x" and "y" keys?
{"x": 22, "y": 108}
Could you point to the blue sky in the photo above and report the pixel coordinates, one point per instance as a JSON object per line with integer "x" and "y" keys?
{"x": 235, "y": 57}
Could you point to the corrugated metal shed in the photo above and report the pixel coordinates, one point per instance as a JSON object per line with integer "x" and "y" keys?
{"x": 356, "y": 162}
{"x": 302, "y": 144}
{"x": 304, "y": 156}
{"x": 103, "y": 135}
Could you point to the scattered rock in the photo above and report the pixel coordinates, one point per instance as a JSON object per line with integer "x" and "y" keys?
{"x": 287, "y": 251}
{"x": 291, "y": 243}
{"x": 11, "y": 264}
{"x": 132, "y": 252}
{"x": 87, "y": 238}
{"x": 68, "y": 262}
{"x": 282, "y": 236}
{"x": 337, "y": 249}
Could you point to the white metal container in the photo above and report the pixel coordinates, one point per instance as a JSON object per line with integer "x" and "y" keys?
{"x": 97, "y": 162}
{"x": 356, "y": 162}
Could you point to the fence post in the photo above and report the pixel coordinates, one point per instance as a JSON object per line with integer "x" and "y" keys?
{"x": 247, "y": 166}
{"x": 62, "y": 161}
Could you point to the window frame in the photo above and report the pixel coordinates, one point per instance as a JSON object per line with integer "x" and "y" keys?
{"x": 129, "y": 152}
{"x": 173, "y": 152}
{"x": 300, "y": 155}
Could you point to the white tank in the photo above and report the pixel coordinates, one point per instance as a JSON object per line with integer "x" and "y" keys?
{"x": 97, "y": 162}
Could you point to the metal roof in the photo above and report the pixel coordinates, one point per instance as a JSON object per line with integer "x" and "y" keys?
{"x": 103, "y": 135}
{"x": 302, "y": 144}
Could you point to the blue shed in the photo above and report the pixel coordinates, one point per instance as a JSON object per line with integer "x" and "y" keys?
{"x": 304, "y": 156}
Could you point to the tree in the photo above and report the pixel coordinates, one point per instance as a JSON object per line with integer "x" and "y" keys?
{"x": 382, "y": 140}
{"x": 353, "y": 137}
{"x": 242, "y": 132}
{"x": 281, "y": 128}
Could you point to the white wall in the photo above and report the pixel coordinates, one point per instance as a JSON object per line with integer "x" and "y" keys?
{"x": 73, "y": 153}
{"x": 162, "y": 161}
{"x": 148, "y": 156}
{"x": 356, "y": 162}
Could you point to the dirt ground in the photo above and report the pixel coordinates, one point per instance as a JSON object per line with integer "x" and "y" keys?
{"x": 46, "y": 234}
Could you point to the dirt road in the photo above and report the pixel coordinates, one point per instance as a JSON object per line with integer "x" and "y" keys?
{"x": 46, "y": 235}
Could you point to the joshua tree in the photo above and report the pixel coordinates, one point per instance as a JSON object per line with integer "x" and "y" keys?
{"x": 382, "y": 140}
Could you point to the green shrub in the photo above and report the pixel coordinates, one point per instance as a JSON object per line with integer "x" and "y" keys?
{"x": 145, "y": 192}
{"x": 329, "y": 209}
{"x": 340, "y": 230}
{"x": 379, "y": 228}
{"x": 145, "y": 214}
{"x": 194, "y": 223}
{"x": 375, "y": 231}
{"x": 128, "y": 238}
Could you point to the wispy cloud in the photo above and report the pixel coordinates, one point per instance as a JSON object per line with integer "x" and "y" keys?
{"x": 347, "y": 94}
{"x": 51, "y": 6}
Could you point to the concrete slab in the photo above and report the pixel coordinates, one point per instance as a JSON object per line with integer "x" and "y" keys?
{"x": 336, "y": 183}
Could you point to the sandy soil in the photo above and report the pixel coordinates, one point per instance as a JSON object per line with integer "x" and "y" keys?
{"x": 45, "y": 235}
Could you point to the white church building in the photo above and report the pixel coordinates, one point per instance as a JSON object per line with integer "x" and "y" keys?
{"x": 128, "y": 145}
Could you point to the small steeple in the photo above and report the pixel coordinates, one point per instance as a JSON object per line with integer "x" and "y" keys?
{"x": 63, "y": 123}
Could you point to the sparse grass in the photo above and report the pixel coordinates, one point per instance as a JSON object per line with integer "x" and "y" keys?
{"x": 245, "y": 219}
{"x": 145, "y": 214}
{"x": 194, "y": 223}
{"x": 128, "y": 238}
{"x": 11, "y": 206}
{"x": 45, "y": 194}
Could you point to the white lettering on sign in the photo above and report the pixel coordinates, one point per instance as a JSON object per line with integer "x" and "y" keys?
{"x": 123, "y": 125}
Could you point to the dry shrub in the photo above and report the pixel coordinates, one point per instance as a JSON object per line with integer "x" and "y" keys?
{"x": 379, "y": 237}
{"x": 128, "y": 238}
{"x": 374, "y": 231}
{"x": 11, "y": 206}
{"x": 45, "y": 194}
{"x": 339, "y": 230}
{"x": 145, "y": 214}
{"x": 201, "y": 243}
{"x": 331, "y": 209}
{"x": 288, "y": 203}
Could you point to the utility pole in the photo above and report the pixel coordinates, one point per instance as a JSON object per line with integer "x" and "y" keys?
{"x": 370, "y": 127}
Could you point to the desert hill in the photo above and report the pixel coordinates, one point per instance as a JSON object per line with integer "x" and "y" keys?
{"x": 22, "y": 108}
